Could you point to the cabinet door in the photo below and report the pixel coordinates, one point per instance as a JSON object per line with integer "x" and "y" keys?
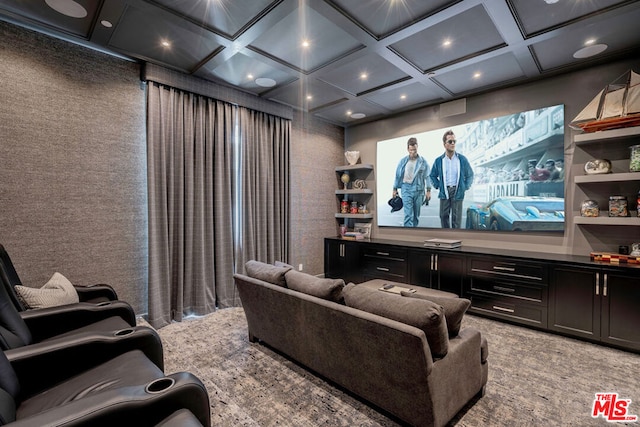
{"x": 621, "y": 308}
{"x": 333, "y": 260}
{"x": 342, "y": 260}
{"x": 448, "y": 272}
{"x": 420, "y": 263}
{"x": 574, "y": 304}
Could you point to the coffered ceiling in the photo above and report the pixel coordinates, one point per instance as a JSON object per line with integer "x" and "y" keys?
{"x": 334, "y": 58}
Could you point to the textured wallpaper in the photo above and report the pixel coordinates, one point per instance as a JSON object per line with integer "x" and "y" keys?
{"x": 73, "y": 174}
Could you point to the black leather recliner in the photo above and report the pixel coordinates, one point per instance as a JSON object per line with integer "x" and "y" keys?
{"x": 97, "y": 304}
{"x": 128, "y": 389}
{"x": 94, "y": 294}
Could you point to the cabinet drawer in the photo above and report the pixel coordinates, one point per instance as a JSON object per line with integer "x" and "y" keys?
{"x": 381, "y": 252}
{"x": 521, "y": 271}
{"x": 387, "y": 268}
{"x": 514, "y": 310}
{"x": 535, "y": 294}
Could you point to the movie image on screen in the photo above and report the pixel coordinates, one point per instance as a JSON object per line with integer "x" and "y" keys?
{"x": 501, "y": 174}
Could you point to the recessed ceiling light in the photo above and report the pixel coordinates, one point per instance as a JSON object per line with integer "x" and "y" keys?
{"x": 165, "y": 43}
{"x": 477, "y": 75}
{"x": 358, "y": 115}
{"x": 349, "y": 112}
{"x": 364, "y": 76}
{"x": 265, "y": 82}
{"x": 309, "y": 97}
{"x": 551, "y": 1}
{"x": 589, "y": 51}
{"x": 446, "y": 42}
{"x": 67, "y": 7}
{"x": 305, "y": 43}
{"x": 403, "y": 96}
{"x": 250, "y": 76}
{"x": 106, "y": 23}
{"x": 589, "y": 42}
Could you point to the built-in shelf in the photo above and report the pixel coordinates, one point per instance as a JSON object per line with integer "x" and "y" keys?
{"x": 355, "y": 191}
{"x": 603, "y": 219}
{"x": 355, "y": 216}
{"x": 606, "y": 134}
{"x": 357, "y": 166}
{"x": 608, "y": 177}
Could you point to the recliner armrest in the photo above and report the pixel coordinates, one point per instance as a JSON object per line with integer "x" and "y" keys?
{"x": 132, "y": 405}
{"x": 47, "y": 322}
{"x": 96, "y": 292}
{"x": 42, "y": 365}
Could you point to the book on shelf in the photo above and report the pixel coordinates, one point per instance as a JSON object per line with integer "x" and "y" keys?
{"x": 353, "y": 235}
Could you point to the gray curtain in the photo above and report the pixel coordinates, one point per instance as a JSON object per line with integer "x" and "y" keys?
{"x": 190, "y": 183}
{"x": 264, "y": 195}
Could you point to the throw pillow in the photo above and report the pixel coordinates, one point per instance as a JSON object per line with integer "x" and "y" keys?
{"x": 420, "y": 313}
{"x": 329, "y": 289}
{"x": 454, "y": 309}
{"x": 267, "y": 272}
{"x": 282, "y": 264}
{"x": 57, "y": 291}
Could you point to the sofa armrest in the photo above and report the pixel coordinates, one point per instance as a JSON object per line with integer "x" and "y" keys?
{"x": 47, "y": 322}
{"x": 44, "y": 364}
{"x": 459, "y": 376}
{"x": 96, "y": 293}
{"x": 145, "y": 405}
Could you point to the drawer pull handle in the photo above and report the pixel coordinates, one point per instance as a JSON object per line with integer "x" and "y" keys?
{"x": 503, "y": 289}
{"x": 507, "y": 310}
{"x": 497, "y": 267}
{"x": 382, "y": 269}
{"x": 382, "y": 253}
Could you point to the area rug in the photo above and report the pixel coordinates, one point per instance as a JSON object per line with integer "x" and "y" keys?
{"x": 535, "y": 378}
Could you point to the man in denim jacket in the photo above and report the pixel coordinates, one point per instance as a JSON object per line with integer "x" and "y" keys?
{"x": 412, "y": 178}
{"x": 452, "y": 175}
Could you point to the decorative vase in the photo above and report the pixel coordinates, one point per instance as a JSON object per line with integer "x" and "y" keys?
{"x": 352, "y": 157}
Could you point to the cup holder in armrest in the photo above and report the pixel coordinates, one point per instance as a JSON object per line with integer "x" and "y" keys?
{"x": 103, "y": 303}
{"x": 159, "y": 385}
{"x": 123, "y": 332}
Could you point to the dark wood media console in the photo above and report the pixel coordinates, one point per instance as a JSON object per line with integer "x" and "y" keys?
{"x": 565, "y": 294}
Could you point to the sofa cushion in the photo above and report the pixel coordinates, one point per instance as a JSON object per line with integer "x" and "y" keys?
{"x": 454, "y": 309}
{"x": 329, "y": 289}
{"x": 57, "y": 291}
{"x": 420, "y": 313}
{"x": 267, "y": 272}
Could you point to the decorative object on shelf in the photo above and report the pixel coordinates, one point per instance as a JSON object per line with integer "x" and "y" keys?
{"x": 364, "y": 228}
{"x": 597, "y": 166}
{"x": 618, "y": 206}
{"x": 395, "y": 203}
{"x": 343, "y": 229}
{"x": 615, "y": 106}
{"x": 623, "y": 250}
{"x": 635, "y": 249}
{"x": 345, "y": 178}
{"x": 616, "y": 258}
{"x": 634, "y": 158}
{"x": 352, "y": 157}
{"x": 362, "y": 209}
{"x": 589, "y": 208}
{"x": 638, "y": 205}
{"x": 344, "y": 206}
{"x": 354, "y": 208}
{"x": 359, "y": 184}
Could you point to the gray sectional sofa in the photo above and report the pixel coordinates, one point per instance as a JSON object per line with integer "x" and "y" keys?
{"x": 389, "y": 363}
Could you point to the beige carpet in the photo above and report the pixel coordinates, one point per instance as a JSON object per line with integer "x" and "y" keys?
{"x": 535, "y": 378}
